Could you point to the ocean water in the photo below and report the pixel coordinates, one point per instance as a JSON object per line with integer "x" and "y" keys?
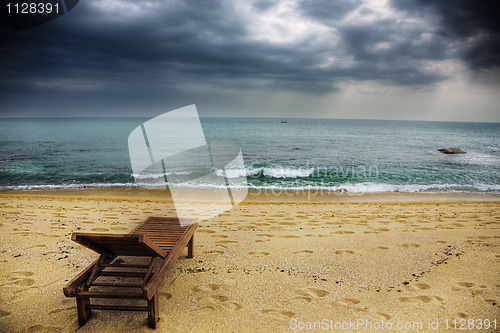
{"x": 301, "y": 154}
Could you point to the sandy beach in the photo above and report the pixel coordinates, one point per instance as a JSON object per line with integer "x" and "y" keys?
{"x": 396, "y": 263}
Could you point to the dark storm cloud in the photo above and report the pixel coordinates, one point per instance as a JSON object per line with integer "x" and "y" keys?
{"x": 473, "y": 23}
{"x": 327, "y": 10}
{"x": 167, "y": 50}
{"x": 187, "y": 43}
{"x": 263, "y": 5}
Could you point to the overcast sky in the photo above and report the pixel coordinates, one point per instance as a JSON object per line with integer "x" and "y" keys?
{"x": 399, "y": 59}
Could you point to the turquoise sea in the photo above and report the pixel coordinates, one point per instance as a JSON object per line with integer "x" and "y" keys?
{"x": 299, "y": 154}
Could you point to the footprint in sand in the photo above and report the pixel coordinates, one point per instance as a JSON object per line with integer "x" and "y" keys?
{"x": 220, "y": 236}
{"x": 219, "y": 301}
{"x": 303, "y": 251}
{"x": 342, "y": 232}
{"x": 381, "y": 248}
{"x": 410, "y": 245}
{"x": 288, "y": 223}
{"x": 207, "y": 231}
{"x": 422, "y": 286}
{"x": 261, "y": 224}
{"x": 383, "y": 315}
{"x": 19, "y": 279}
{"x": 484, "y": 237}
{"x": 347, "y": 302}
{"x": 41, "y": 328}
{"x": 425, "y": 299}
{"x": 100, "y": 229}
{"x": 259, "y": 253}
{"x": 118, "y": 228}
{"x": 165, "y": 295}
{"x": 289, "y": 236}
{"x": 4, "y": 313}
{"x": 214, "y": 251}
{"x": 219, "y": 298}
{"x": 491, "y": 301}
{"x": 278, "y": 314}
{"x": 382, "y": 229}
{"x": 308, "y": 294}
{"x": 233, "y": 306}
{"x": 206, "y": 287}
{"x": 351, "y": 304}
{"x": 468, "y": 286}
{"x": 265, "y": 235}
{"x": 248, "y": 227}
{"x": 24, "y": 282}
{"x": 422, "y": 299}
{"x": 343, "y": 252}
{"x": 34, "y": 246}
{"x": 61, "y": 310}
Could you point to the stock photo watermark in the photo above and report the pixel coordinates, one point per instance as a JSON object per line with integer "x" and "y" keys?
{"x": 170, "y": 151}
{"x": 394, "y": 325}
{"x": 362, "y": 174}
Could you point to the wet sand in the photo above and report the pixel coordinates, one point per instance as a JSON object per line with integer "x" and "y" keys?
{"x": 270, "y": 264}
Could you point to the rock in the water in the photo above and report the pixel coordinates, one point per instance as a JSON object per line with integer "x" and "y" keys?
{"x": 452, "y": 151}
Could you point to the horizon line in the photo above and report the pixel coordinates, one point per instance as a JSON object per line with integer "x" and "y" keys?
{"x": 246, "y": 117}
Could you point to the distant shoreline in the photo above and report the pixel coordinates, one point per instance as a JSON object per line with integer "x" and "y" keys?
{"x": 267, "y": 195}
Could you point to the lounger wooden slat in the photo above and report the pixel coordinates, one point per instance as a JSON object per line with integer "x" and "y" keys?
{"x": 161, "y": 240}
{"x": 118, "y": 307}
{"x": 125, "y": 265}
{"x": 111, "y": 295}
{"x": 134, "y": 245}
{"x": 123, "y": 274}
{"x": 122, "y": 285}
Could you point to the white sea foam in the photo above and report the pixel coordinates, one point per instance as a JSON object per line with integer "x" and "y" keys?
{"x": 158, "y": 175}
{"x": 267, "y": 172}
{"x": 287, "y": 172}
{"x": 237, "y": 173}
{"x": 348, "y": 188}
{"x": 66, "y": 186}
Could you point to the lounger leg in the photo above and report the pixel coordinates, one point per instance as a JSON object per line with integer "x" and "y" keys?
{"x": 82, "y": 307}
{"x": 153, "y": 311}
{"x": 191, "y": 247}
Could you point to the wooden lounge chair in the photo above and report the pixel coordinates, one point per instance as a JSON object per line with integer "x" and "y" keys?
{"x": 158, "y": 240}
